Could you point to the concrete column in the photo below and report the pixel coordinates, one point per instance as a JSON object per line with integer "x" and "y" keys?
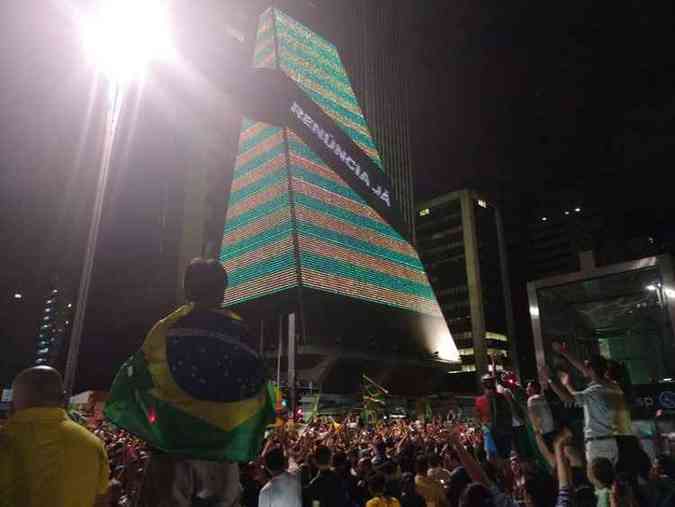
{"x": 474, "y": 284}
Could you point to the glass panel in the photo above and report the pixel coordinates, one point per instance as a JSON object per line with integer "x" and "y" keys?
{"x": 623, "y": 316}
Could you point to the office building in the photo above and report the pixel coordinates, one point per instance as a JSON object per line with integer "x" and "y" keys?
{"x": 371, "y": 35}
{"x": 461, "y": 244}
{"x": 301, "y": 238}
{"x": 55, "y": 323}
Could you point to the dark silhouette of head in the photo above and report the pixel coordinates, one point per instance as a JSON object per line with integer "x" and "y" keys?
{"x": 323, "y": 456}
{"x": 598, "y": 366}
{"x": 408, "y": 484}
{"x": 340, "y": 462}
{"x": 539, "y": 491}
{"x": 459, "y": 480}
{"x": 205, "y": 282}
{"x": 39, "y": 386}
{"x": 533, "y": 388}
{"x": 376, "y": 484}
{"x": 421, "y": 465}
{"x": 275, "y": 460}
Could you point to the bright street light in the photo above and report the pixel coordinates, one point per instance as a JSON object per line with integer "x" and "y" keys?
{"x": 122, "y": 36}
{"x": 18, "y": 295}
{"x": 651, "y": 287}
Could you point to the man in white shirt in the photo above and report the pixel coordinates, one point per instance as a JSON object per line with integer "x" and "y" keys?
{"x": 283, "y": 489}
{"x": 606, "y": 414}
{"x": 540, "y": 413}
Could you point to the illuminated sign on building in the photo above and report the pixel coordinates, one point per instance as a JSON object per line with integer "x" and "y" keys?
{"x": 309, "y": 204}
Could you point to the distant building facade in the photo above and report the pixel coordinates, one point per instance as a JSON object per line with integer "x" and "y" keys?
{"x": 55, "y": 324}
{"x": 460, "y": 241}
{"x": 562, "y": 225}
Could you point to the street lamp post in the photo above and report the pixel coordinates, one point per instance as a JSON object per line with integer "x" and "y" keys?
{"x": 113, "y": 114}
{"x": 121, "y": 37}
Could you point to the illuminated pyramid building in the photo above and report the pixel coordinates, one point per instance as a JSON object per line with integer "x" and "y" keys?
{"x": 301, "y": 239}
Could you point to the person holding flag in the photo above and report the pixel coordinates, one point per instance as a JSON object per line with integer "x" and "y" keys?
{"x": 374, "y": 401}
{"x": 197, "y": 395}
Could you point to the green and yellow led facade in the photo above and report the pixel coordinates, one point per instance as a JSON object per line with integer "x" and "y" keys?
{"x": 292, "y": 221}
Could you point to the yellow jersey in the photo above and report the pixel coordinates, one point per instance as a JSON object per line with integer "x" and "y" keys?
{"x": 48, "y": 460}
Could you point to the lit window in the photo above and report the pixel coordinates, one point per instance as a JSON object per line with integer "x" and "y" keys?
{"x": 424, "y": 212}
{"x": 497, "y": 352}
{"x": 544, "y": 219}
{"x": 577, "y": 210}
{"x": 496, "y": 336}
{"x": 482, "y": 203}
{"x": 567, "y": 212}
{"x": 18, "y": 295}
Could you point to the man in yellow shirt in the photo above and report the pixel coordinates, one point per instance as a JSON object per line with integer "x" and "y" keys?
{"x": 45, "y": 458}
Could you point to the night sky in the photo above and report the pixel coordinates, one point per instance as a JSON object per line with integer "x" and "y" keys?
{"x": 513, "y": 98}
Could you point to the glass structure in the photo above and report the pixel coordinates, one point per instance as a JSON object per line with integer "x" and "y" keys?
{"x": 622, "y": 311}
{"x": 293, "y": 222}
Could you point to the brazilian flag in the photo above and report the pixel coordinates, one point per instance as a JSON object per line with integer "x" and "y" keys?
{"x": 194, "y": 389}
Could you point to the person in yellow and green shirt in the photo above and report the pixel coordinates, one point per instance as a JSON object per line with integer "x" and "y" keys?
{"x": 45, "y": 458}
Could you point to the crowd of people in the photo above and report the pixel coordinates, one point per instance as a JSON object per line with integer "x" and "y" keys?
{"x": 127, "y": 457}
{"x": 517, "y": 450}
{"x": 410, "y": 463}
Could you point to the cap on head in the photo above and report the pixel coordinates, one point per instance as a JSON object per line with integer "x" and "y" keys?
{"x": 205, "y": 282}
{"x": 39, "y": 386}
{"x": 488, "y": 381}
{"x": 323, "y": 456}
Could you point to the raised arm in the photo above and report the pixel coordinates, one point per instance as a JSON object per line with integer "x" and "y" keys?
{"x": 560, "y": 391}
{"x": 573, "y": 360}
{"x": 472, "y": 467}
{"x": 545, "y": 452}
{"x": 562, "y": 465}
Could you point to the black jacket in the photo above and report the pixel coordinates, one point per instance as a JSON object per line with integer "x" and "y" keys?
{"x": 327, "y": 489}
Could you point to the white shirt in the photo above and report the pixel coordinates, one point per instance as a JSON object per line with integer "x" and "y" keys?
{"x": 540, "y": 408}
{"x": 284, "y": 490}
{"x": 605, "y": 411}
